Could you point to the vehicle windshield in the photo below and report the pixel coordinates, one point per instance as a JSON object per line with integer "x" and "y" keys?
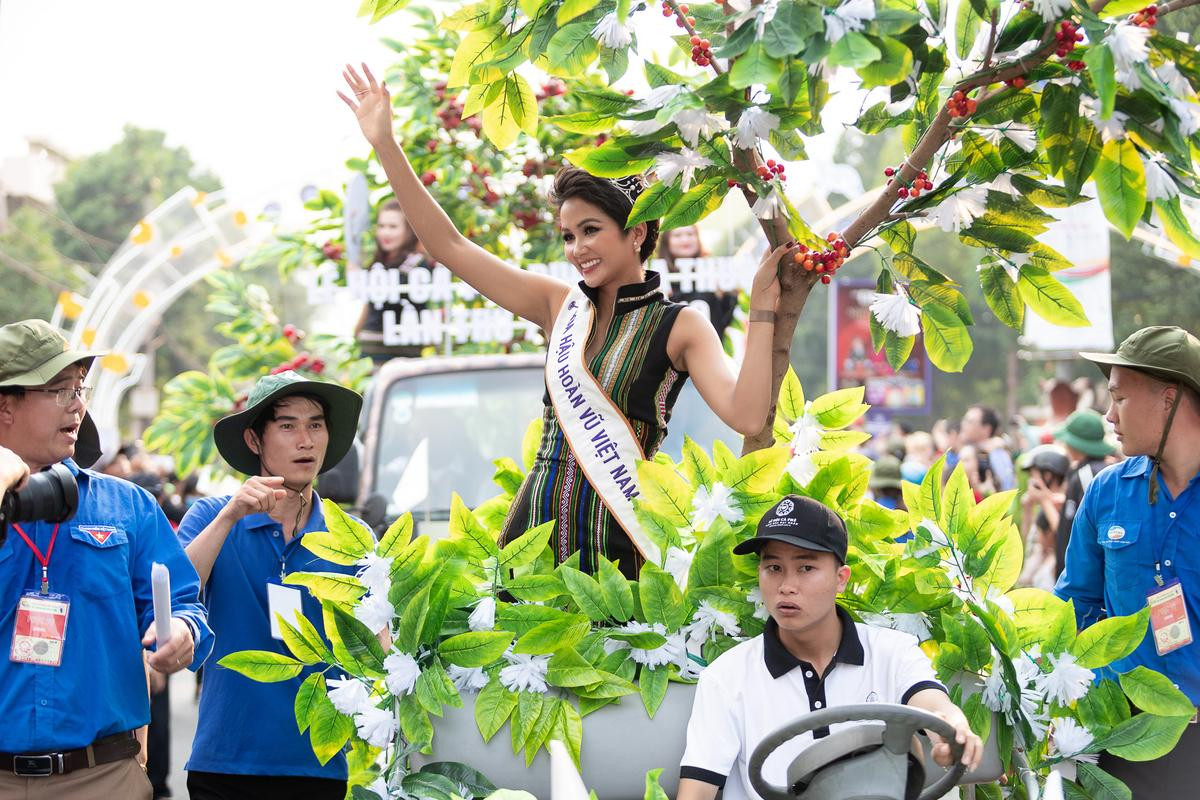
{"x": 441, "y": 432}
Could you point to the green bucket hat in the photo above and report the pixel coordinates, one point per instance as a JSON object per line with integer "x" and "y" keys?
{"x": 343, "y": 407}
{"x": 1084, "y": 431}
{"x": 1165, "y": 352}
{"x": 885, "y": 474}
{"x": 32, "y": 352}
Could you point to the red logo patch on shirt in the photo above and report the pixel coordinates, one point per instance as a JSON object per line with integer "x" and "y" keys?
{"x": 99, "y": 533}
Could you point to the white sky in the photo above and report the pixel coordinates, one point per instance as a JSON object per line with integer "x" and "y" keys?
{"x": 246, "y": 85}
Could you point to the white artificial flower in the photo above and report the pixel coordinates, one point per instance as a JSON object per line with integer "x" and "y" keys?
{"x": 525, "y": 673}
{"x": 901, "y": 106}
{"x": 913, "y": 624}
{"x": 696, "y": 122}
{"x": 611, "y": 32}
{"x": 659, "y": 97}
{"x": 1067, "y": 682}
{"x": 1129, "y": 78}
{"x": 802, "y": 468}
{"x": 753, "y": 125}
{"x": 760, "y": 608}
{"x": 1169, "y": 74}
{"x": 1000, "y": 600}
{"x": 380, "y": 788}
{"x": 402, "y": 673}
{"x": 375, "y": 611}
{"x": 850, "y": 16}
{"x": 1004, "y": 183}
{"x": 708, "y": 618}
{"x": 761, "y": 13}
{"x": 483, "y": 618}
{"x": 376, "y": 726}
{"x": 1071, "y": 739}
{"x": 1020, "y": 135}
{"x": 1109, "y": 129}
{"x": 1159, "y": 184}
{"x": 683, "y": 165}
{"x": 1188, "y": 114}
{"x": 960, "y": 209}
{"x": 470, "y": 679}
{"x": 375, "y": 573}
{"x": 667, "y": 653}
{"x": 709, "y": 504}
{"x": 644, "y": 127}
{"x": 1026, "y": 667}
{"x": 995, "y": 691}
{"x": 1051, "y": 10}
{"x": 677, "y": 563}
{"x": 1128, "y": 43}
{"x": 769, "y": 207}
{"x": 1028, "y": 707}
{"x": 348, "y": 695}
{"x": 895, "y": 313}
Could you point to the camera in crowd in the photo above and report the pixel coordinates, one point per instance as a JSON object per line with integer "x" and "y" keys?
{"x": 50, "y": 495}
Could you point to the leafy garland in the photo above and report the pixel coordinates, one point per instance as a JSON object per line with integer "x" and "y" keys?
{"x": 572, "y": 643}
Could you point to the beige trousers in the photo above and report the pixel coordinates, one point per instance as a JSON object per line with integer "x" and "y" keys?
{"x": 120, "y": 780}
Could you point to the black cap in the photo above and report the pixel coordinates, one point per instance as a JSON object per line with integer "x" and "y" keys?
{"x": 801, "y": 522}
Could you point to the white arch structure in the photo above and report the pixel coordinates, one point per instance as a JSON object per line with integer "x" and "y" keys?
{"x": 189, "y": 236}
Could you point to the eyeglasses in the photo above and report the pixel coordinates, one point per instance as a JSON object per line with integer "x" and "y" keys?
{"x": 65, "y": 397}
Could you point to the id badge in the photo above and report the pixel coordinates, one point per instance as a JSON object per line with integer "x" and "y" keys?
{"x": 282, "y": 601}
{"x": 40, "y": 630}
{"x": 1169, "y": 618}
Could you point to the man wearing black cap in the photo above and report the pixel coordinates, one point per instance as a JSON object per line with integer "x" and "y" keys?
{"x": 811, "y": 655}
{"x": 247, "y": 743}
{"x": 76, "y": 606}
{"x": 1136, "y": 535}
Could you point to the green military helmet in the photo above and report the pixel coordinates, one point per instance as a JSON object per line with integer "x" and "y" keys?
{"x": 1166, "y": 352}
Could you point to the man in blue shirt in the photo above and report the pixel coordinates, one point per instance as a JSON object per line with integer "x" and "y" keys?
{"x": 76, "y": 603}
{"x": 247, "y": 744}
{"x": 1136, "y": 535}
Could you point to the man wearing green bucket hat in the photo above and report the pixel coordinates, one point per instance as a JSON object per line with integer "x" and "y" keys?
{"x": 1136, "y": 534}
{"x": 1084, "y": 436}
{"x": 76, "y": 598}
{"x": 244, "y": 546}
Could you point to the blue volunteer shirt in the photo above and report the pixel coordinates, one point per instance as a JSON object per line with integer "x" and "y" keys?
{"x": 246, "y": 727}
{"x": 1116, "y": 540}
{"x": 101, "y": 561}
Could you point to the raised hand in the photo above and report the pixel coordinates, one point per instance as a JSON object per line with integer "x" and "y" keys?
{"x": 372, "y": 104}
{"x": 764, "y": 291}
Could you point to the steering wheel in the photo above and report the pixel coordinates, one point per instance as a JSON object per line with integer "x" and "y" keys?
{"x": 895, "y": 736}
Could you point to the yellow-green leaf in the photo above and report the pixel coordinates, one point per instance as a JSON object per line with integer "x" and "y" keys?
{"x": 1121, "y": 184}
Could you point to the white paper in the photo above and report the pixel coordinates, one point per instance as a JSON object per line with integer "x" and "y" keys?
{"x": 160, "y": 581}
{"x": 283, "y": 601}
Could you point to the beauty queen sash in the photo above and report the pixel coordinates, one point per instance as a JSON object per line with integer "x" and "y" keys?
{"x": 598, "y": 433}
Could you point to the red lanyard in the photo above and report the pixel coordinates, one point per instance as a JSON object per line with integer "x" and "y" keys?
{"x": 44, "y": 560}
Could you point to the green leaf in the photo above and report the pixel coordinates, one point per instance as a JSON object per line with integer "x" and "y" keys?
{"x": 1100, "y": 785}
{"x": 306, "y": 698}
{"x": 946, "y": 339}
{"x": 475, "y": 648}
{"x": 1154, "y": 692}
{"x": 345, "y": 541}
{"x": 654, "y": 790}
{"x": 756, "y": 473}
{"x": 468, "y": 777}
{"x": 572, "y": 49}
{"x": 840, "y": 408}
{"x": 569, "y": 669}
{"x": 966, "y": 27}
{"x": 429, "y": 786}
{"x": 784, "y": 35}
{"x": 791, "y": 396}
{"x": 327, "y": 585}
{"x": 654, "y": 203}
{"x": 586, "y": 593}
{"x": 664, "y": 492}
{"x": 1152, "y": 737}
{"x": 696, "y": 203}
{"x": 1081, "y": 160}
{"x": 570, "y": 9}
{"x": 1104, "y": 706}
{"x": 493, "y": 707}
{"x": 554, "y": 635}
{"x": 1103, "y": 72}
{"x": 415, "y": 723}
{"x": 1121, "y": 185}
{"x": 661, "y": 599}
{"x": 738, "y": 42}
{"x": 524, "y": 550}
{"x": 535, "y": 588}
{"x": 472, "y": 51}
{"x": 1002, "y": 296}
{"x": 897, "y": 349}
{"x": 853, "y": 50}
{"x": 328, "y": 730}
{"x": 568, "y": 728}
{"x": 306, "y": 650}
{"x": 754, "y": 66}
{"x": 1177, "y": 228}
{"x": 1049, "y": 299}
{"x": 697, "y": 466}
{"x": 412, "y": 620}
{"x": 1110, "y": 639}
{"x": 957, "y": 501}
{"x": 362, "y": 645}
{"x": 1058, "y": 123}
{"x": 396, "y": 538}
{"x": 653, "y": 686}
{"x": 893, "y": 66}
{"x": 618, "y": 597}
{"x": 712, "y": 564}
{"x": 609, "y": 160}
{"x": 263, "y": 666}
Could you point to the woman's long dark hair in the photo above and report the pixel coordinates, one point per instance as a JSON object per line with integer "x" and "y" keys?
{"x": 574, "y": 182}
{"x": 407, "y": 247}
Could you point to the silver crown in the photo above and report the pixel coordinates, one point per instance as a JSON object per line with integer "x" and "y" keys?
{"x": 631, "y": 186}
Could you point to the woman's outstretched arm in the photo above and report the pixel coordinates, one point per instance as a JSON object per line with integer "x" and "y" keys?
{"x": 536, "y": 298}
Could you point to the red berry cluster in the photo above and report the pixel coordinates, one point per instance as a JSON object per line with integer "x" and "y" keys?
{"x": 960, "y": 105}
{"x": 921, "y": 183}
{"x": 1016, "y": 83}
{"x": 527, "y": 219}
{"x": 1076, "y": 66}
{"x": 302, "y": 361}
{"x": 1146, "y": 18}
{"x": 772, "y": 169}
{"x": 292, "y": 333}
{"x": 1067, "y": 35}
{"x": 701, "y": 51}
{"x": 552, "y": 88}
{"x": 332, "y": 251}
{"x": 428, "y": 177}
{"x": 683, "y": 13}
{"x": 826, "y": 263}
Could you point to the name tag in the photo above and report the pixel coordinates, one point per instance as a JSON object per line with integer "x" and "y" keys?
{"x": 282, "y": 601}
{"x": 40, "y": 629}
{"x": 1169, "y": 618}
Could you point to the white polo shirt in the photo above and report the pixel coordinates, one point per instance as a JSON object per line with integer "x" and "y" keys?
{"x": 756, "y": 687}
